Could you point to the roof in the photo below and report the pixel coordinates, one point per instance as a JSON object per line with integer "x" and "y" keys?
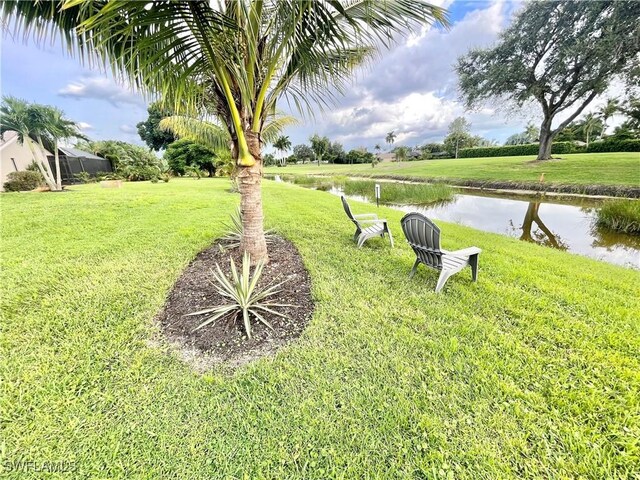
{"x": 8, "y": 138}
{"x": 74, "y": 152}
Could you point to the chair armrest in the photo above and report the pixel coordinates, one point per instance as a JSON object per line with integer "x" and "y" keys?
{"x": 375, "y": 220}
{"x": 465, "y": 252}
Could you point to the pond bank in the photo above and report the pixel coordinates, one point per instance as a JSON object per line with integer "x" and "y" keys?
{"x": 595, "y": 190}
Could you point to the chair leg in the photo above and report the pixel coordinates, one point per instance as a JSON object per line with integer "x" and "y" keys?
{"x": 390, "y": 237}
{"x": 473, "y": 261}
{"x": 414, "y": 269}
{"x": 361, "y": 239}
{"x": 442, "y": 279}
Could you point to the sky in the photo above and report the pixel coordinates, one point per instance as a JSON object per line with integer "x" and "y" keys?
{"x": 411, "y": 89}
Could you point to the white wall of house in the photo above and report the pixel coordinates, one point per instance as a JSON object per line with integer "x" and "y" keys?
{"x": 14, "y": 156}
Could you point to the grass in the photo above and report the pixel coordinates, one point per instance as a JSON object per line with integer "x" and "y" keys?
{"x": 533, "y": 372}
{"x": 620, "y": 215}
{"x": 400, "y": 193}
{"x": 581, "y": 169}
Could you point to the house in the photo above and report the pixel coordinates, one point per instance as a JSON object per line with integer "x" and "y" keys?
{"x": 15, "y": 156}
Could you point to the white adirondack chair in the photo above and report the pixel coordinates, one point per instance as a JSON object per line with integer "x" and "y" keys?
{"x": 424, "y": 237}
{"x": 368, "y": 225}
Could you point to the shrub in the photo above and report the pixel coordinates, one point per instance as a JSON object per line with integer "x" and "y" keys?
{"x": 615, "y": 145}
{"x": 23, "y": 181}
{"x": 84, "y": 177}
{"x": 557, "y": 148}
{"x": 246, "y": 298}
{"x": 620, "y": 215}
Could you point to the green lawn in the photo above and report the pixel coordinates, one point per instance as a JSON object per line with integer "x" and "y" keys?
{"x": 582, "y": 169}
{"x": 533, "y": 372}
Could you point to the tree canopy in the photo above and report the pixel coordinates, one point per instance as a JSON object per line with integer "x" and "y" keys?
{"x": 150, "y": 132}
{"x": 185, "y": 153}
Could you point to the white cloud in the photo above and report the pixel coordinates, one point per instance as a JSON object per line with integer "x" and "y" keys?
{"x": 412, "y": 90}
{"x": 84, "y": 126}
{"x": 129, "y": 129}
{"x": 101, "y": 88}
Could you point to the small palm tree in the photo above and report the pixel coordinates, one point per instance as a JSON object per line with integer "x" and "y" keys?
{"x": 590, "y": 123}
{"x": 59, "y": 128}
{"x": 401, "y": 153}
{"x": 282, "y": 144}
{"x": 233, "y": 60}
{"x": 390, "y": 138}
{"x": 607, "y": 111}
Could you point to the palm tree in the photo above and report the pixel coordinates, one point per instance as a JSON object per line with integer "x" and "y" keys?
{"x": 282, "y": 144}
{"x": 233, "y": 60}
{"x": 58, "y": 128}
{"x": 589, "y": 123}
{"x": 607, "y": 111}
{"x": 390, "y": 138}
{"x": 30, "y": 123}
{"x": 401, "y": 153}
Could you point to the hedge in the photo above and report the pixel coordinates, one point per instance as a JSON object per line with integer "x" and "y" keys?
{"x": 615, "y": 146}
{"x": 516, "y": 150}
{"x": 558, "y": 148}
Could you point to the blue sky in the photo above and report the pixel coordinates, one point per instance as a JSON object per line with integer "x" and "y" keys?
{"x": 411, "y": 90}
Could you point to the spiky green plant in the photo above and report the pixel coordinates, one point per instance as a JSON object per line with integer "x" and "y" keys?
{"x": 246, "y": 298}
{"x": 233, "y": 236}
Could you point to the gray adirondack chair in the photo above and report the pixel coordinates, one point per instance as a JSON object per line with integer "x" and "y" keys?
{"x": 424, "y": 237}
{"x": 368, "y": 225}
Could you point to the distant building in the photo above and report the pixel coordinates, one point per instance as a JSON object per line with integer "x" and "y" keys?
{"x": 16, "y": 156}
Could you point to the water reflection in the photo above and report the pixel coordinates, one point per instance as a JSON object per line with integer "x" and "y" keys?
{"x": 542, "y": 235}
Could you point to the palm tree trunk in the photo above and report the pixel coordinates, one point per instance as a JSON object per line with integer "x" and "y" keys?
{"x": 249, "y": 183}
{"x": 46, "y": 165}
{"x": 40, "y": 164}
{"x": 58, "y": 175}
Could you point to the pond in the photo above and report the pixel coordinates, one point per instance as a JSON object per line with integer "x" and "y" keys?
{"x": 565, "y": 223}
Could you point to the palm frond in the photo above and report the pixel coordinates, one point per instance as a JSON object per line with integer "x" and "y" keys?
{"x": 201, "y": 131}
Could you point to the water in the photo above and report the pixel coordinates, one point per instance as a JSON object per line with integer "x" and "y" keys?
{"x": 566, "y": 223}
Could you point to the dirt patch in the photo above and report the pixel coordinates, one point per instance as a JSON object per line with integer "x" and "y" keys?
{"x": 225, "y": 341}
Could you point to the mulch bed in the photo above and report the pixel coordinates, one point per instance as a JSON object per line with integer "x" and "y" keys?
{"x": 225, "y": 341}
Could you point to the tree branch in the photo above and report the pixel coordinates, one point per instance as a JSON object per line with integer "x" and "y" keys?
{"x": 576, "y": 113}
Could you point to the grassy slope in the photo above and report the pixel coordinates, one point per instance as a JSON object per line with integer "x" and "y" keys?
{"x": 533, "y": 372}
{"x": 584, "y": 169}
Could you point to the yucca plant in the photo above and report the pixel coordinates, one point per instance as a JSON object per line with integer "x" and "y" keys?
{"x": 233, "y": 237}
{"x": 246, "y": 298}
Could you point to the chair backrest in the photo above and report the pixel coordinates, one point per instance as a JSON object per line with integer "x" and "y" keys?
{"x": 347, "y": 210}
{"x": 424, "y": 237}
